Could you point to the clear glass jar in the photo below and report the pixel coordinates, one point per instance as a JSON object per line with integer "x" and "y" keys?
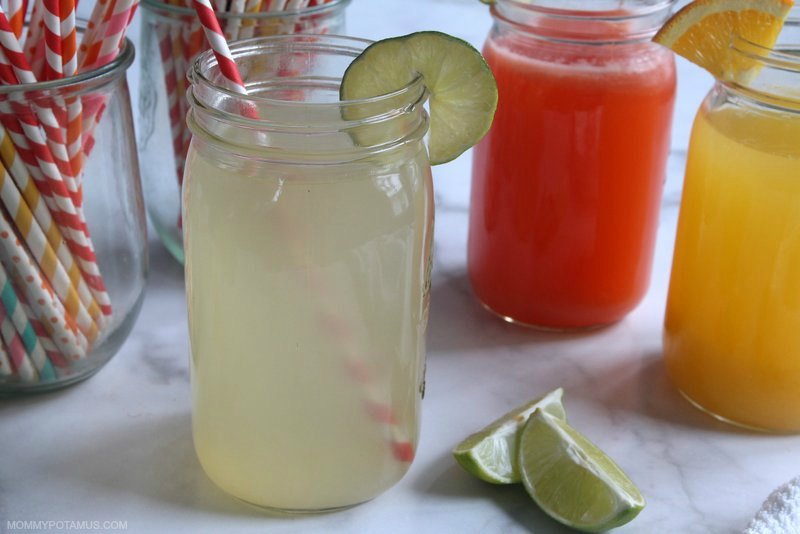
{"x": 733, "y": 310}
{"x": 69, "y": 297}
{"x": 308, "y": 250}
{"x": 170, "y": 40}
{"x": 566, "y": 185}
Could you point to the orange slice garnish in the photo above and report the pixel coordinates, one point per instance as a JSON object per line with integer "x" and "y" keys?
{"x": 703, "y": 30}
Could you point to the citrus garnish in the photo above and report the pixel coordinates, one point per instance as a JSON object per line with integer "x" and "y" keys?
{"x": 491, "y": 454}
{"x": 703, "y": 30}
{"x": 571, "y": 479}
{"x": 463, "y": 93}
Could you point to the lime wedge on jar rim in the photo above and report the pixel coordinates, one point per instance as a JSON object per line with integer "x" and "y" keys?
{"x": 463, "y": 93}
{"x": 571, "y": 479}
{"x": 491, "y": 453}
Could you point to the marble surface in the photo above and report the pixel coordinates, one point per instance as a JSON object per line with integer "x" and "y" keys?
{"x": 118, "y": 447}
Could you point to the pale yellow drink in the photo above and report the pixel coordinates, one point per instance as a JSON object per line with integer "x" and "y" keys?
{"x": 732, "y": 340}
{"x": 308, "y": 296}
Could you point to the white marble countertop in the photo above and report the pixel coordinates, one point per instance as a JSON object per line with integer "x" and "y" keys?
{"x": 118, "y": 447}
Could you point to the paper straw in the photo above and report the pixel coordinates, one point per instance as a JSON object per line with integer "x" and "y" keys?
{"x": 50, "y": 348}
{"x": 69, "y": 37}
{"x": 45, "y": 256}
{"x": 63, "y": 211}
{"x": 16, "y": 15}
{"x": 6, "y": 369}
{"x": 234, "y": 23}
{"x": 93, "y": 27}
{"x": 53, "y": 69}
{"x": 249, "y": 24}
{"x": 113, "y": 34}
{"x": 16, "y": 350}
{"x": 219, "y": 45}
{"x": 12, "y": 310}
{"x": 38, "y": 292}
{"x": 171, "y": 84}
{"x": 49, "y": 148}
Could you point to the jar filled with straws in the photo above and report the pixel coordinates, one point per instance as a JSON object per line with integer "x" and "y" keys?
{"x": 171, "y": 39}
{"x": 73, "y": 252}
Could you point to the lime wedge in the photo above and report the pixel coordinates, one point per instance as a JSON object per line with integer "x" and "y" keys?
{"x": 571, "y": 479}
{"x": 463, "y": 93}
{"x": 491, "y": 454}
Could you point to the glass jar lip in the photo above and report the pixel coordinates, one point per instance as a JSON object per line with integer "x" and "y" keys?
{"x": 180, "y": 11}
{"x": 600, "y": 15}
{"x": 651, "y": 15}
{"x": 206, "y": 60}
{"x": 778, "y": 57}
{"x": 96, "y": 77}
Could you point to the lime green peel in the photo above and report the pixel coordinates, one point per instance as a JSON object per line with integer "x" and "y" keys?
{"x": 571, "y": 479}
{"x": 491, "y": 453}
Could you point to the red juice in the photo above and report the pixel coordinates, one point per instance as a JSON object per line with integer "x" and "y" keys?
{"x": 567, "y": 184}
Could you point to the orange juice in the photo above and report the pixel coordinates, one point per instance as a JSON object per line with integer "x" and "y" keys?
{"x": 733, "y": 314}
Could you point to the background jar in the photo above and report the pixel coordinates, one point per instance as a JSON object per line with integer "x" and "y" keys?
{"x": 65, "y": 327}
{"x": 171, "y": 38}
{"x": 733, "y": 309}
{"x": 308, "y": 249}
{"x": 567, "y": 184}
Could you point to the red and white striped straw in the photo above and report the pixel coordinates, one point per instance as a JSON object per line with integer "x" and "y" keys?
{"x": 216, "y": 38}
{"x": 69, "y": 37}
{"x": 16, "y": 15}
{"x": 117, "y": 21}
{"x": 53, "y": 69}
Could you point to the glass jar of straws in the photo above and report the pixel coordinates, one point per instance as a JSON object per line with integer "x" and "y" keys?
{"x": 73, "y": 254}
{"x": 171, "y": 38}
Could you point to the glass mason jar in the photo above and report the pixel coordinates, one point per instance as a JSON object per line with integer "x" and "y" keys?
{"x": 566, "y": 186}
{"x": 308, "y": 249}
{"x": 733, "y": 310}
{"x": 170, "y": 40}
{"x": 73, "y": 256}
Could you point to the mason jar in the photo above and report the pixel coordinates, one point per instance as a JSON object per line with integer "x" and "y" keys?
{"x": 73, "y": 255}
{"x": 566, "y": 186}
{"x": 171, "y": 37}
{"x": 307, "y": 229}
{"x": 733, "y": 310}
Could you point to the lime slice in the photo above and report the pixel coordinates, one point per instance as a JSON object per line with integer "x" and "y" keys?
{"x": 463, "y": 93}
{"x": 571, "y": 479}
{"x": 491, "y": 454}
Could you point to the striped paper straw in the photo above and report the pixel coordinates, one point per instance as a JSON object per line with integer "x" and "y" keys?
{"x": 234, "y": 23}
{"x": 45, "y": 255}
{"x": 171, "y": 85}
{"x": 219, "y": 45}
{"x": 69, "y": 58}
{"x": 69, "y": 37}
{"x": 49, "y": 146}
{"x": 373, "y": 391}
{"x": 69, "y": 220}
{"x": 249, "y": 24}
{"x": 12, "y": 310}
{"x": 38, "y": 292}
{"x": 93, "y": 27}
{"x": 6, "y": 369}
{"x": 120, "y": 13}
{"x": 50, "y": 348}
{"x": 53, "y": 69}
{"x": 16, "y": 15}
{"x": 16, "y": 350}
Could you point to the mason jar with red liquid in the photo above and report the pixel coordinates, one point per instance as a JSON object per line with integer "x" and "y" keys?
{"x": 567, "y": 184}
